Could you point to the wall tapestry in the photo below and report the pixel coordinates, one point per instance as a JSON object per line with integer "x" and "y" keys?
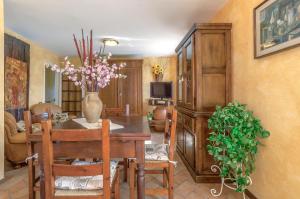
{"x": 16, "y": 84}
{"x": 276, "y": 26}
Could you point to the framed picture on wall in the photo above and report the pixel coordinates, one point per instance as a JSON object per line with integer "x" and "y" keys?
{"x": 16, "y": 85}
{"x": 276, "y": 26}
{"x": 16, "y": 76}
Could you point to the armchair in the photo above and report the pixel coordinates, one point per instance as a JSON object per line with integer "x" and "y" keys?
{"x": 42, "y": 108}
{"x": 15, "y": 142}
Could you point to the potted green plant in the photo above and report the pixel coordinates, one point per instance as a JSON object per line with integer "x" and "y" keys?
{"x": 233, "y": 142}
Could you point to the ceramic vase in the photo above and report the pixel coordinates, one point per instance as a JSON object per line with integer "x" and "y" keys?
{"x": 92, "y": 107}
{"x": 158, "y": 77}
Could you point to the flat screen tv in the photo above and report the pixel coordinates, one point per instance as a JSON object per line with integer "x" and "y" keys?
{"x": 161, "y": 89}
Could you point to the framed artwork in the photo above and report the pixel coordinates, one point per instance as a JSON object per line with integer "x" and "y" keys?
{"x": 276, "y": 26}
{"x": 16, "y": 85}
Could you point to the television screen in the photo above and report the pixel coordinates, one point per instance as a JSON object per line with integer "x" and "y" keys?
{"x": 161, "y": 89}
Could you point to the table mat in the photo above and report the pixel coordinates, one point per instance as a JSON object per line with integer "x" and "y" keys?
{"x": 84, "y": 123}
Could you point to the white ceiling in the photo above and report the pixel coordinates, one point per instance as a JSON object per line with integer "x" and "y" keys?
{"x": 143, "y": 27}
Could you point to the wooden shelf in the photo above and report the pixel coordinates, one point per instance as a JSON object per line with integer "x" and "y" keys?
{"x": 160, "y": 102}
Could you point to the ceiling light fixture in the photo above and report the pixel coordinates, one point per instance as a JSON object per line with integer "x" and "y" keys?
{"x": 110, "y": 42}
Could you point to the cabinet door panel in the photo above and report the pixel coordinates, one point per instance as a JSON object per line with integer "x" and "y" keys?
{"x": 189, "y": 123}
{"x": 125, "y": 91}
{"x": 207, "y": 159}
{"x": 109, "y": 94}
{"x": 189, "y": 74}
{"x": 213, "y": 50}
{"x": 214, "y": 90}
{"x": 189, "y": 148}
{"x": 130, "y": 88}
{"x": 180, "y": 78}
{"x": 180, "y": 133}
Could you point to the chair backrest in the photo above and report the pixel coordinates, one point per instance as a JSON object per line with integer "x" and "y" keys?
{"x": 29, "y": 119}
{"x": 109, "y": 112}
{"x": 42, "y": 108}
{"x": 57, "y": 137}
{"x": 170, "y": 132}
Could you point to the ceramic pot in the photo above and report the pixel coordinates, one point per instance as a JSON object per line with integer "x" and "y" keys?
{"x": 92, "y": 107}
{"x": 159, "y": 118}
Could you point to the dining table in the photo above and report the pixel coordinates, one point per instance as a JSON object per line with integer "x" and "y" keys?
{"x": 126, "y": 142}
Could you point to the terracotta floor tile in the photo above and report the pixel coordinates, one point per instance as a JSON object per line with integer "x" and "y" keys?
{"x": 4, "y": 195}
{"x": 185, "y": 188}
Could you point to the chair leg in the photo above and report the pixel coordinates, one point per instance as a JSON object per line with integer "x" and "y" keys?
{"x": 171, "y": 181}
{"x": 131, "y": 178}
{"x": 31, "y": 172}
{"x": 30, "y": 180}
{"x": 165, "y": 180}
{"x": 125, "y": 168}
{"x": 117, "y": 185}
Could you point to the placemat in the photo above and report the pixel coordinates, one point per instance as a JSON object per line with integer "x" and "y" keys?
{"x": 84, "y": 123}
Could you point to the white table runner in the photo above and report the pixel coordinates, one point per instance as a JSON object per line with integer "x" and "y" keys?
{"x": 84, "y": 123}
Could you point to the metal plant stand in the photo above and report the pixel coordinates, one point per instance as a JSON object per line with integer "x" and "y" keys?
{"x": 215, "y": 193}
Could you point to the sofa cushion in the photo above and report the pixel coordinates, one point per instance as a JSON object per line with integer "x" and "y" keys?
{"x": 21, "y": 126}
{"x": 37, "y": 127}
{"x": 84, "y": 182}
{"x": 156, "y": 152}
{"x": 11, "y": 124}
{"x": 41, "y": 108}
{"x": 18, "y": 138}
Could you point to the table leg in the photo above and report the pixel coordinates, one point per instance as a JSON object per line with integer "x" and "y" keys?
{"x": 140, "y": 153}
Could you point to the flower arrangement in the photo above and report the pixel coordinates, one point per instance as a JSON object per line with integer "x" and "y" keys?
{"x": 95, "y": 72}
{"x": 158, "y": 71}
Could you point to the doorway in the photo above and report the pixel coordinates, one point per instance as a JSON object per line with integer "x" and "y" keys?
{"x": 52, "y": 87}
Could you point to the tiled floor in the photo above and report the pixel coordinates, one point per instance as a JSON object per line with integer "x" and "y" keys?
{"x": 15, "y": 184}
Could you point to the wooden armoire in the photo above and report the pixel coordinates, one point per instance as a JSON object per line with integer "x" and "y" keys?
{"x": 125, "y": 91}
{"x": 203, "y": 81}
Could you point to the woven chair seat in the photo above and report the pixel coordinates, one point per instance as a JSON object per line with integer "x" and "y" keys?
{"x": 156, "y": 152}
{"x": 83, "y": 185}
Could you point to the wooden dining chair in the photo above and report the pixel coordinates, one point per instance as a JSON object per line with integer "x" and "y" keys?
{"x": 79, "y": 180}
{"x": 32, "y": 138}
{"x": 159, "y": 159}
{"x": 114, "y": 112}
{"x": 111, "y": 112}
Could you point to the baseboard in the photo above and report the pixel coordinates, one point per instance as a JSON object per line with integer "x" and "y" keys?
{"x": 250, "y": 195}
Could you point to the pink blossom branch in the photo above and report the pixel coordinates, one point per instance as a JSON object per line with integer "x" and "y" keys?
{"x": 91, "y": 48}
{"x": 78, "y": 51}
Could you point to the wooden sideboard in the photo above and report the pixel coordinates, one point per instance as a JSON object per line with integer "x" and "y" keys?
{"x": 203, "y": 81}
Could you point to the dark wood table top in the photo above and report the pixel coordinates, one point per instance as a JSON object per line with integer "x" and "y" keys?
{"x": 135, "y": 127}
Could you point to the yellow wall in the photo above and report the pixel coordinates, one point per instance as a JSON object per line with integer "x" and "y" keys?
{"x": 38, "y": 57}
{"x": 271, "y": 88}
{"x": 170, "y": 75}
{"x": 1, "y": 90}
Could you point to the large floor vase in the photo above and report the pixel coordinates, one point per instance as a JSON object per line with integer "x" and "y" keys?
{"x": 92, "y": 107}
